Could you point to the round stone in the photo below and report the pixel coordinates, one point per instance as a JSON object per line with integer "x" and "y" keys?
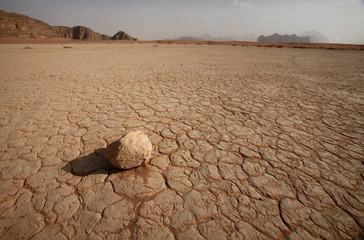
{"x": 130, "y": 151}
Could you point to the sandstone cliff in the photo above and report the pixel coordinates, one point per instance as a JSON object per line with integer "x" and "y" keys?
{"x": 122, "y": 36}
{"x": 14, "y": 25}
{"x": 21, "y": 26}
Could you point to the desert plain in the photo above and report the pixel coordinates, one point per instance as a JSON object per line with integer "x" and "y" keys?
{"x": 248, "y": 142}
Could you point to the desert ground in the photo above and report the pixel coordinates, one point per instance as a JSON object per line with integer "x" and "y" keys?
{"x": 248, "y": 142}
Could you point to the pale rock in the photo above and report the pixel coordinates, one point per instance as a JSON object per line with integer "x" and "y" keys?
{"x": 131, "y": 150}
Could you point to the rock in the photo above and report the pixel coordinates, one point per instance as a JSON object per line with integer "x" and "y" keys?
{"x": 122, "y": 36}
{"x": 105, "y": 37}
{"x": 84, "y": 33}
{"x": 131, "y": 150}
{"x": 17, "y": 25}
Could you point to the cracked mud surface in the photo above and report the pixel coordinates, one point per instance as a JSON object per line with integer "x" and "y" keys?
{"x": 249, "y": 143}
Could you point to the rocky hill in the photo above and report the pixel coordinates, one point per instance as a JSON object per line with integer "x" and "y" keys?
{"x": 21, "y": 26}
{"x": 122, "y": 36}
{"x": 78, "y": 32}
{"x": 14, "y": 25}
{"x": 277, "y": 38}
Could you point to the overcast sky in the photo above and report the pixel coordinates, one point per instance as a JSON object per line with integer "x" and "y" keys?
{"x": 338, "y": 20}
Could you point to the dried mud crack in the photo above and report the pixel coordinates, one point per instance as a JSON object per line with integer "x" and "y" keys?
{"x": 248, "y": 143}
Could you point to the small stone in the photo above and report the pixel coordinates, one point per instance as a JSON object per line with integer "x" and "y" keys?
{"x": 131, "y": 150}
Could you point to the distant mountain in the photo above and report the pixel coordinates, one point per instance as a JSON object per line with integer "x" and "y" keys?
{"x": 227, "y": 38}
{"x": 122, "y": 36}
{"x": 14, "y": 25}
{"x": 277, "y": 38}
{"x": 204, "y": 37}
{"x": 316, "y": 37}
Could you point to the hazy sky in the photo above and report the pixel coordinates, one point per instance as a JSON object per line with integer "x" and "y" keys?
{"x": 338, "y": 20}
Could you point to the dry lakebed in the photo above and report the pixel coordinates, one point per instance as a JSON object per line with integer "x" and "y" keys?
{"x": 248, "y": 142}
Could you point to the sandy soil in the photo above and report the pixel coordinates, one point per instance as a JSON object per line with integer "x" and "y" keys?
{"x": 249, "y": 143}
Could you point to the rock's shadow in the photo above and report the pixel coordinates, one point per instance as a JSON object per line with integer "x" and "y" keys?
{"x": 90, "y": 164}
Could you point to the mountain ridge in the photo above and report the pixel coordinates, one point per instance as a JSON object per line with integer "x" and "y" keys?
{"x": 15, "y": 25}
{"x": 278, "y": 38}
